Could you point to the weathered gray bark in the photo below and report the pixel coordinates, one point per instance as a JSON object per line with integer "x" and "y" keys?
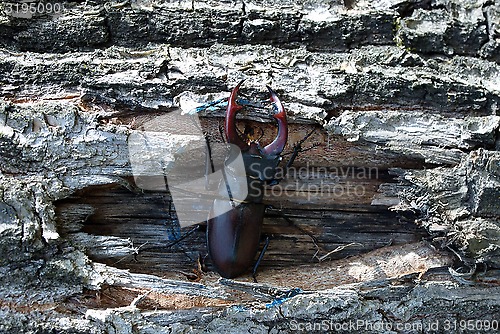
{"x": 409, "y": 89}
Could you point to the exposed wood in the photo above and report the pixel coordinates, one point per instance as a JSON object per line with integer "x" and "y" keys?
{"x": 129, "y": 230}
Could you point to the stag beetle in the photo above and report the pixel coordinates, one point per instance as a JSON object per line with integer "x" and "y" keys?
{"x": 233, "y": 234}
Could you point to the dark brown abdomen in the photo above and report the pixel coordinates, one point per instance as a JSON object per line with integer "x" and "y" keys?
{"x": 233, "y": 237}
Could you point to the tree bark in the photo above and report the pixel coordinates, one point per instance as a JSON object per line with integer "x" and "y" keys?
{"x": 390, "y": 223}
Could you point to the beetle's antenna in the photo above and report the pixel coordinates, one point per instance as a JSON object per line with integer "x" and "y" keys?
{"x": 297, "y": 148}
{"x": 261, "y": 135}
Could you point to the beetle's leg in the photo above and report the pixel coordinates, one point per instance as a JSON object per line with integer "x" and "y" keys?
{"x": 175, "y": 242}
{"x": 230, "y": 122}
{"x": 183, "y": 236}
{"x": 174, "y": 228}
{"x": 261, "y": 255}
{"x": 291, "y": 223}
{"x": 174, "y": 231}
{"x": 209, "y": 164}
{"x": 297, "y": 148}
{"x": 278, "y": 144}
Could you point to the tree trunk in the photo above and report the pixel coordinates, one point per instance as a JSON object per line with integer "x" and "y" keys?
{"x": 388, "y": 221}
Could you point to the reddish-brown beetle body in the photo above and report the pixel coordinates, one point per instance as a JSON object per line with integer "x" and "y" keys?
{"x": 233, "y": 235}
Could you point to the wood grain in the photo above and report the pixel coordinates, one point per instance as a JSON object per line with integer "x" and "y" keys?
{"x": 140, "y": 225}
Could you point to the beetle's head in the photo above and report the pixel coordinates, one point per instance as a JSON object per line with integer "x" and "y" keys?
{"x": 276, "y": 146}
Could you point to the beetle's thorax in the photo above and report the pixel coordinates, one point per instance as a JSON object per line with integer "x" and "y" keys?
{"x": 259, "y": 168}
{"x": 259, "y": 165}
